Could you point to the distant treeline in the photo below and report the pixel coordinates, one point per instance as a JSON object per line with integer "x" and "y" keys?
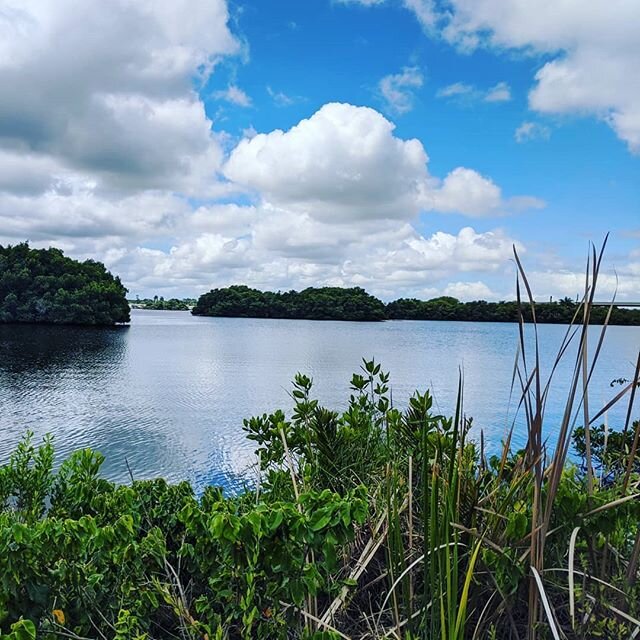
{"x": 160, "y": 304}
{"x": 335, "y": 303}
{"x": 44, "y": 286}
{"x": 447, "y": 308}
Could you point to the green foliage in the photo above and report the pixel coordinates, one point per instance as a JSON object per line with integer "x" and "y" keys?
{"x": 447, "y": 308}
{"x": 42, "y": 285}
{"x": 334, "y": 303}
{"x": 152, "y": 560}
{"x": 21, "y": 630}
{"x": 392, "y": 513}
{"x": 610, "y": 450}
{"x": 325, "y": 303}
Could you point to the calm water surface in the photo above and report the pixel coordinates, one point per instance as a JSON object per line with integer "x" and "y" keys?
{"x": 168, "y": 394}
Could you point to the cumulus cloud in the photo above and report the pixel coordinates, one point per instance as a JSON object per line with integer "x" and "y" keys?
{"x": 342, "y": 162}
{"x": 624, "y": 283}
{"x": 466, "y": 191}
{"x": 107, "y": 88}
{"x": 107, "y": 152}
{"x": 345, "y": 162}
{"x": 391, "y": 260}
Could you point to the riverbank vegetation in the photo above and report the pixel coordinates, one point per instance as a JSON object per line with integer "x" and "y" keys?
{"x": 334, "y": 303}
{"x": 376, "y": 521}
{"x": 369, "y": 523}
{"x": 44, "y": 286}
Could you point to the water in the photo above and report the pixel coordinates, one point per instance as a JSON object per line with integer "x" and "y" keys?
{"x": 168, "y": 394}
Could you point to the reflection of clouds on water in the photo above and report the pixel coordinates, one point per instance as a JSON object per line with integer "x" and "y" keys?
{"x": 170, "y": 393}
{"x": 226, "y": 469}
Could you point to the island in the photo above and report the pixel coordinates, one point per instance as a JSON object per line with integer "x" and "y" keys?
{"x": 336, "y": 303}
{"x": 321, "y": 303}
{"x": 44, "y": 286}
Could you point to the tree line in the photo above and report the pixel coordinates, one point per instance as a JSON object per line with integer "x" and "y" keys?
{"x": 336, "y": 303}
{"x": 44, "y": 286}
{"x": 158, "y": 303}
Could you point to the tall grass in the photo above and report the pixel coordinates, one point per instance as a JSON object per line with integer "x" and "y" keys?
{"x": 521, "y": 546}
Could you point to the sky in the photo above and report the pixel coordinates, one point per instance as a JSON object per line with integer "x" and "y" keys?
{"x": 404, "y": 146}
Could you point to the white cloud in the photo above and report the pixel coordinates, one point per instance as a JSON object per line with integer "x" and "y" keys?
{"x": 455, "y": 89}
{"x": 466, "y": 291}
{"x": 234, "y": 95}
{"x": 531, "y": 131}
{"x": 366, "y": 3}
{"x": 125, "y": 112}
{"x": 624, "y": 283}
{"x": 470, "y": 250}
{"x": 500, "y": 92}
{"x": 280, "y": 99}
{"x": 283, "y": 252}
{"x": 397, "y": 89}
{"x": 466, "y": 191}
{"x": 342, "y": 162}
{"x": 105, "y": 149}
{"x": 335, "y": 197}
{"x": 72, "y": 210}
{"x": 345, "y": 163}
{"x": 424, "y": 11}
{"x": 596, "y": 53}
{"x": 334, "y": 200}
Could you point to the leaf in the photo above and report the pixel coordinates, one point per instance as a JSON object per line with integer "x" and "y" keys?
{"x": 320, "y": 520}
{"x": 216, "y": 525}
{"x": 275, "y": 519}
{"x": 23, "y": 630}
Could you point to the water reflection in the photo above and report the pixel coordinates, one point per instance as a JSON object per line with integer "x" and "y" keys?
{"x": 31, "y": 348}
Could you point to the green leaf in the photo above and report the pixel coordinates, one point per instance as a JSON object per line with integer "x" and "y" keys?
{"x": 320, "y": 520}
{"x": 23, "y": 630}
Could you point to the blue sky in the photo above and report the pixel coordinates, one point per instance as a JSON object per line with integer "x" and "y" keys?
{"x": 399, "y": 145}
{"x": 318, "y": 52}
